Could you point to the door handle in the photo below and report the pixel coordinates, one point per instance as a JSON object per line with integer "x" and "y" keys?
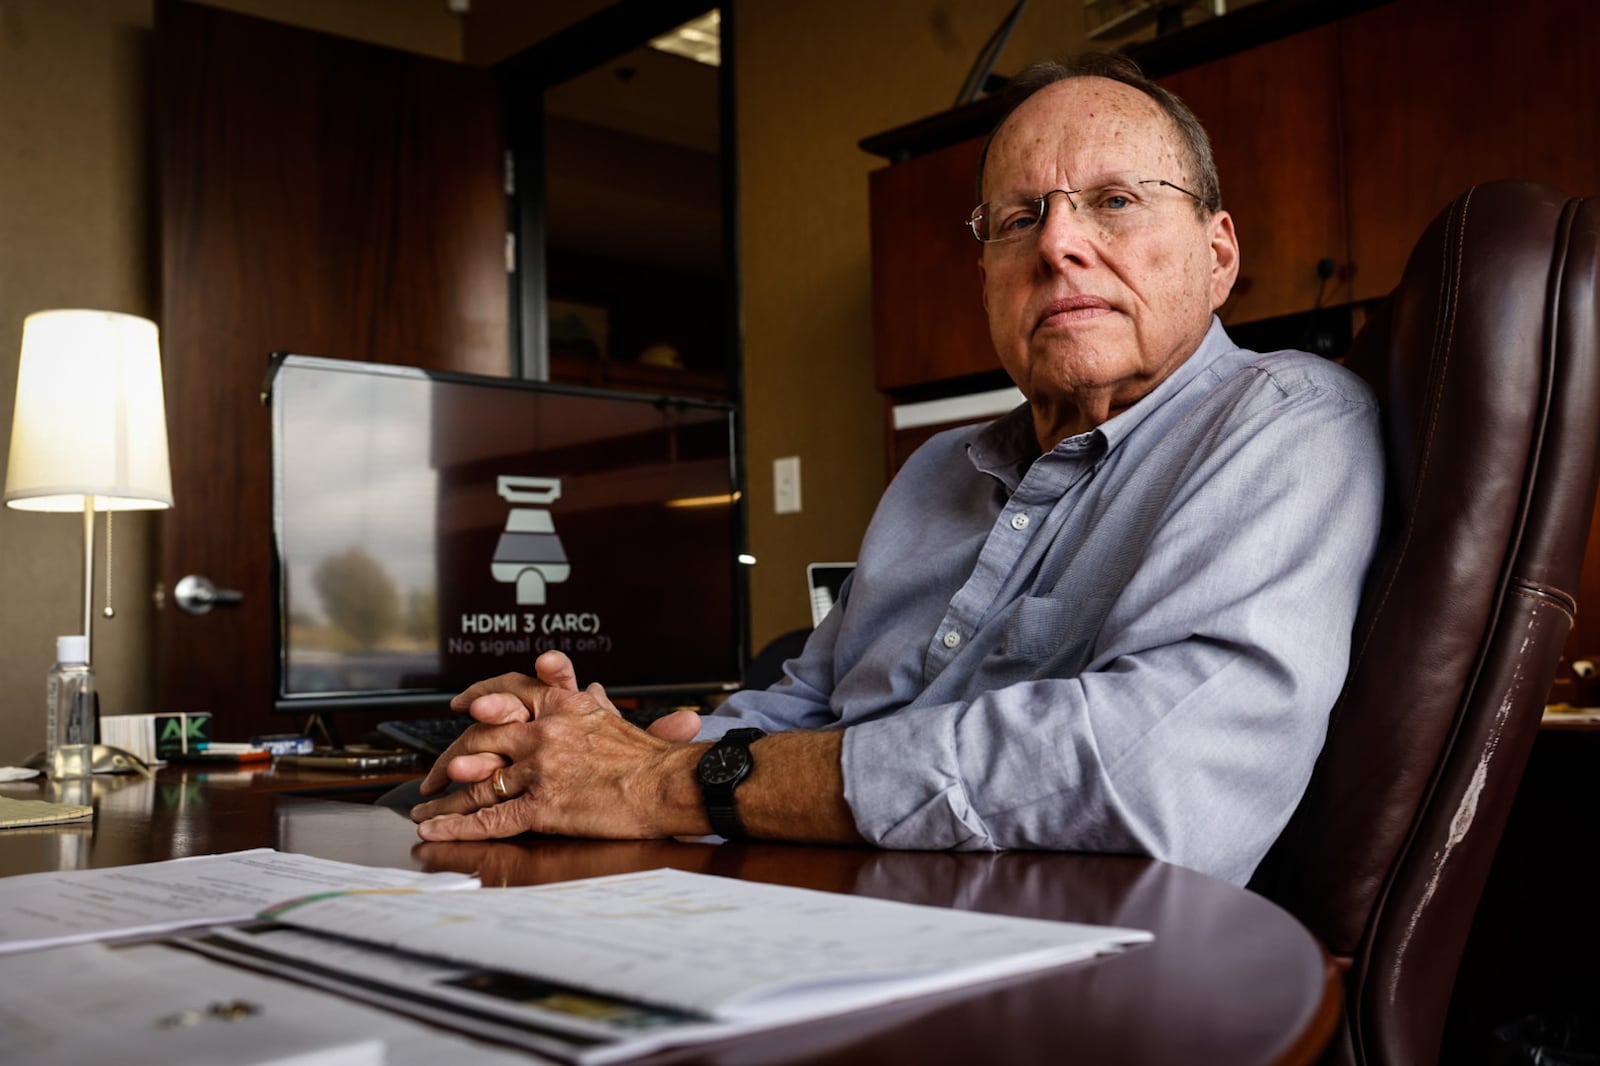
{"x": 197, "y": 595}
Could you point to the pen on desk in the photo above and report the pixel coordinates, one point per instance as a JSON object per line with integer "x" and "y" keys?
{"x": 242, "y": 752}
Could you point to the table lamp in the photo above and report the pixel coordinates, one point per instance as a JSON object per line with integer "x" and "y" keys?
{"x": 90, "y": 429}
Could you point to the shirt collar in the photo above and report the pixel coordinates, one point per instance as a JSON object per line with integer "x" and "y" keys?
{"x": 1007, "y": 446}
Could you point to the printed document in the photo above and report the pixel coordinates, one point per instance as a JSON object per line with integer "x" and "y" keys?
{"x": 71, "y": 906}
{"x": 612, "y": 967}
{"x": 149, "y": 1005}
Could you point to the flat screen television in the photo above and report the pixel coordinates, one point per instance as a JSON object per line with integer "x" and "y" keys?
{"x": 433, "y": 529}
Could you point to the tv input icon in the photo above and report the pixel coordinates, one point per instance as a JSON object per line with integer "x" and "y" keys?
{"x": 529, "y": 552}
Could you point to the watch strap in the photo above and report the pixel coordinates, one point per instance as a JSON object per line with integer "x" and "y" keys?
{"x": 723, "y": 814}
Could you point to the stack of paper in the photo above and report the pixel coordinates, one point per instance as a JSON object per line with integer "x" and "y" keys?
{"x": 149, "y": 1005}
{"x": 607, "y": 968}
{"x": 72, "y": 906}
{"x": 591, "y": 971}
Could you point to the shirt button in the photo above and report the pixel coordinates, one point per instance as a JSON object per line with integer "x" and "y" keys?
{"x": 951, "y": 639}
{"x": 1019, "y": 520}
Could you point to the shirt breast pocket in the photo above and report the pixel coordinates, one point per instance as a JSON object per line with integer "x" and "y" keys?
{"x": 1042, "y": 632}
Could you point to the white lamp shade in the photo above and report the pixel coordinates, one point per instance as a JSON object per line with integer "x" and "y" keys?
{"x": 90, "y": 418}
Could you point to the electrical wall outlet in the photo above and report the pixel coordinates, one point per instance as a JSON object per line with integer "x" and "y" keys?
{"x": 786, "y": 485}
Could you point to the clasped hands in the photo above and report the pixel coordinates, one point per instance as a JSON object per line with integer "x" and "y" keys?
{"x": 546, "y": 756}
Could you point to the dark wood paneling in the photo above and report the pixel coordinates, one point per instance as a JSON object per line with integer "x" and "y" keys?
{"x": 319, "y": 196}
{"x": 1443, "y": 94}
{"x": 1272, "y": 114}
{"x": 1207, "y": 41}
{"x": 927, "y": 309}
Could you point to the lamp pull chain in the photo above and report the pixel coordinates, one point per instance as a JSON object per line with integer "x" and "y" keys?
{"x": 109, "y": 612}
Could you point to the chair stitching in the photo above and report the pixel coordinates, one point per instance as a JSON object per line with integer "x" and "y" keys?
{"x": 1455, "y": 230}
{"x": 1541, "y": 600}
{"x": 1554, "y": 592}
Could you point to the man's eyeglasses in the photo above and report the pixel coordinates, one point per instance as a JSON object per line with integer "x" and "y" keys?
{"x": 1118, "y": 203}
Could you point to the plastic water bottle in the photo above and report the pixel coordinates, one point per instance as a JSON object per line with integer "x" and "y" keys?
{"x": 69, "y": 746}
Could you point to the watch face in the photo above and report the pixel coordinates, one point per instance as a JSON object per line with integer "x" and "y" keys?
{"x": 724, "y": 763}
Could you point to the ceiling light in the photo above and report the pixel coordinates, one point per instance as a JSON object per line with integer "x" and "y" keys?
{"x": 698, "y": 39}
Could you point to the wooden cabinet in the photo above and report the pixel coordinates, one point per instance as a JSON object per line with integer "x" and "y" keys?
{"x": 1272, "y": 115}
{"x": 927, "y": 308}
{"x": 1442, "y": 94}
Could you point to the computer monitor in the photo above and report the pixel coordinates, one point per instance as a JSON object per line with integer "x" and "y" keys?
{"x": 824, "y": 581}
{"x": 433, "y": 529}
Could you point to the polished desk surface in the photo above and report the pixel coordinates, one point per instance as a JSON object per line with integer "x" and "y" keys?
{"x": 1229, "y": 978}
{"x": 1570, "y": 719}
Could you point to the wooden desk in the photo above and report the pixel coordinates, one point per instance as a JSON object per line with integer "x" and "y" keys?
{"x": 1230, "y": 978}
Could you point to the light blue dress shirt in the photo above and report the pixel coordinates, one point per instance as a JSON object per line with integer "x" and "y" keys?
{"x": 1129, "y": 644}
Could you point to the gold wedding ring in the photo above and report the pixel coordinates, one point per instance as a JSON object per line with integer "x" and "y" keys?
{"x": 500, "y": 783}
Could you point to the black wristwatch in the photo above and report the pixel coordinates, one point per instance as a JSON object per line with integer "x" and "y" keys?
{"x": 720, "y": 771}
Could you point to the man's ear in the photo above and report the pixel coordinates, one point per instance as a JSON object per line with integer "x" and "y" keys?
{"x": 983, "y": 282}
{"x": 1224, "y": 257}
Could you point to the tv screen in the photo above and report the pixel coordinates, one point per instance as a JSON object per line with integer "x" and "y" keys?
{"x": 434, "y": 529}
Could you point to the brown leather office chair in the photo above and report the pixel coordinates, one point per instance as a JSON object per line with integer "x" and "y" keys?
{"x": 1486, "y": 361}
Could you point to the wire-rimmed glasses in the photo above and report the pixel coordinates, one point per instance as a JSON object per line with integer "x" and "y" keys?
{"x": 1116, "y": 203}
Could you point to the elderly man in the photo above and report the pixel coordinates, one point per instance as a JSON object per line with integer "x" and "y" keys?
{"x": 1113, "y": 620}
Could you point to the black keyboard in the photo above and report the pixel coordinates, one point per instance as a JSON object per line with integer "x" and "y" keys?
{"x": 427, "y": 735}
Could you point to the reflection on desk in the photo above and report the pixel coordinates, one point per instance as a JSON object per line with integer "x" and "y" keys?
{"x": 1562, "y": 716}
{"x": 1230, "y": 978}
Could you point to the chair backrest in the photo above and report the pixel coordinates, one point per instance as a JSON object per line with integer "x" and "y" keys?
{"x": 766, "y": 669}
{"x": 1486, "y": 362}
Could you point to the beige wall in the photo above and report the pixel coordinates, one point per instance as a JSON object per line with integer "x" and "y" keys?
{"x": 78, "y": 226}
{"x": 76, "y": 230}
